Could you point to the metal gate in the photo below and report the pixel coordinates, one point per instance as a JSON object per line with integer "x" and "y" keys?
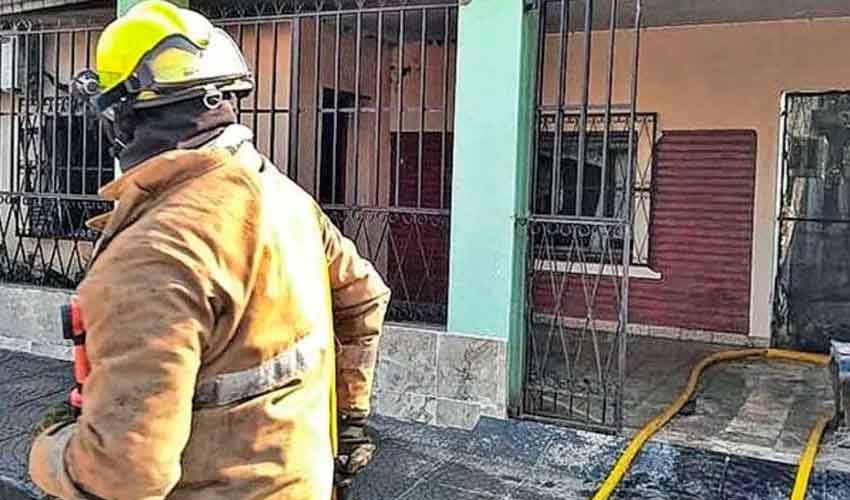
{"x": 812, "y": 298}
{"x": 581, "y": 210}
{"x": 353, "y": 100}
{"x": 53, "y": 154}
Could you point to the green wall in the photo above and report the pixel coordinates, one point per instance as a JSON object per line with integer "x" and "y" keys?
{"x": 492, "y": 118}
{"x": 497, "y": 50}
{"x": 125, "y": 5}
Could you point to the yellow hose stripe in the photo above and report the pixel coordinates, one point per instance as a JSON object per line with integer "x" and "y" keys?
{"x": 804, "y": 357}
{"x": 657, "y": 422}
{"x": 807, "y": 460}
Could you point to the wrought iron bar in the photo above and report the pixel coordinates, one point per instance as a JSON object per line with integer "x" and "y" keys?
{"x": 293, "y": 62}
{"x": 358, "y": 55}
{"x": 318, "y": 126}
{"x": 540, "y": 74}
{"x": 423, "y": 58}
{"x": 627, "y": 250}
{"x": 379, "y": 88}
{"x": 84, "y": 163}
{"x": 563, "y": 61}
{"x": 609, "y": 92}
{"x": 400, "y": 110}
{"x": 25, "y": 112}
{"x": 71, "y": 65}
{"x": 3, "y": 114}
{"x": 40, "y": 120}
{"x": 334, "y": 149}
{"x": 445, "y": 107}
{"x": 585, "y": 99}
{"x": 54, "y": 180}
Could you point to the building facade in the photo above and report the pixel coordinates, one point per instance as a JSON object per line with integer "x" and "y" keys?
{"x": 538, "y": 181}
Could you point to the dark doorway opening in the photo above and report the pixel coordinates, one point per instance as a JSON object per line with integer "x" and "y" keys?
{"x": 812, "y": 299}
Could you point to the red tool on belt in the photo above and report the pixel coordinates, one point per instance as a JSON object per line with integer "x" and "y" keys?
{"x": 73, "y": 329}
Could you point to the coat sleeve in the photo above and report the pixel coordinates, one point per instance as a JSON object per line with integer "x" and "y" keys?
{"x": 360, "y": 300}
{"x": 147, "y": 314}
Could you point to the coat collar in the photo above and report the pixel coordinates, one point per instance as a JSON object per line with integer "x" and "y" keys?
{"x": 177, "y": 166}
{"x": 154, "y": 176}
{"x": 165, "y": 170}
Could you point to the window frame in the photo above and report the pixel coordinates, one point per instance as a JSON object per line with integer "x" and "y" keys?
{"x": 643, "y": 187}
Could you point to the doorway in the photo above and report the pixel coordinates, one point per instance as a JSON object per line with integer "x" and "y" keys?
{"x": 812, "y": 299}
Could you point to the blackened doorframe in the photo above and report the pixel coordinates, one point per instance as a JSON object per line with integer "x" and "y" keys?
{"x": 812, "y": 287}
{"x": 334, "y": 146}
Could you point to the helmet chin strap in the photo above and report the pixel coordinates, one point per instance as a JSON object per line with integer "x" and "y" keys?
{"x": 213, "y": 97}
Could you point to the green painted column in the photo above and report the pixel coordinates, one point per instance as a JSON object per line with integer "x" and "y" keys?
{"x": 497, "y": 50}
{"x": 125, "y": 5}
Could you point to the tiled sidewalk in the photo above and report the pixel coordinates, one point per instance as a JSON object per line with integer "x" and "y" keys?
{"x": 505, "y": 460}
{"x": 524, "y": 461}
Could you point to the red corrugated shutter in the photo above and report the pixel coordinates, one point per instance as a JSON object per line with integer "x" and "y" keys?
{"x": 702, "y": 232}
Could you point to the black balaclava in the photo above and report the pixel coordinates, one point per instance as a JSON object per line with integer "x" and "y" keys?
{"x": 183, "y": 125}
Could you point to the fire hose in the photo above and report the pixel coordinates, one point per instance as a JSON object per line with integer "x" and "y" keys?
{"x": 659, "y": 421}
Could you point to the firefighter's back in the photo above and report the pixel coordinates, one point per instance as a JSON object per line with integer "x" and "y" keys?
{"x": 261, "y": 413}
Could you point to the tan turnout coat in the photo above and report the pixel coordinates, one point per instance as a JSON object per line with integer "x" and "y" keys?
{"x": 212, "y": 309}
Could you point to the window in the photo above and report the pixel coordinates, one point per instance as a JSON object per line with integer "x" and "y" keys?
{"x": 603, "y": 184}
{"x": 602, "y": 187}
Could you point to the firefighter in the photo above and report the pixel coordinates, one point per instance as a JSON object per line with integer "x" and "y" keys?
{"x": 230, "y": 327}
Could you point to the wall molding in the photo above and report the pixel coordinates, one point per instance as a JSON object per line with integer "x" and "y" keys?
{"x": 665, "y": 332}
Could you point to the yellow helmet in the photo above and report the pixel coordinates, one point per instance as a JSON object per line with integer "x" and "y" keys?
{"x": 159, "y": 53}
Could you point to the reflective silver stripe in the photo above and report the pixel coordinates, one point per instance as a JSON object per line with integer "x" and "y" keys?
{"x": 277, "y": 372}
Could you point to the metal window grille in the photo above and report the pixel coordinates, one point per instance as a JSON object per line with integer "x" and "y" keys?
{"x": 363, "y": 121}
{"x": 53, "y": 155}
{"x": 353, "y": 100}
{"x": 603, "y": 189}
